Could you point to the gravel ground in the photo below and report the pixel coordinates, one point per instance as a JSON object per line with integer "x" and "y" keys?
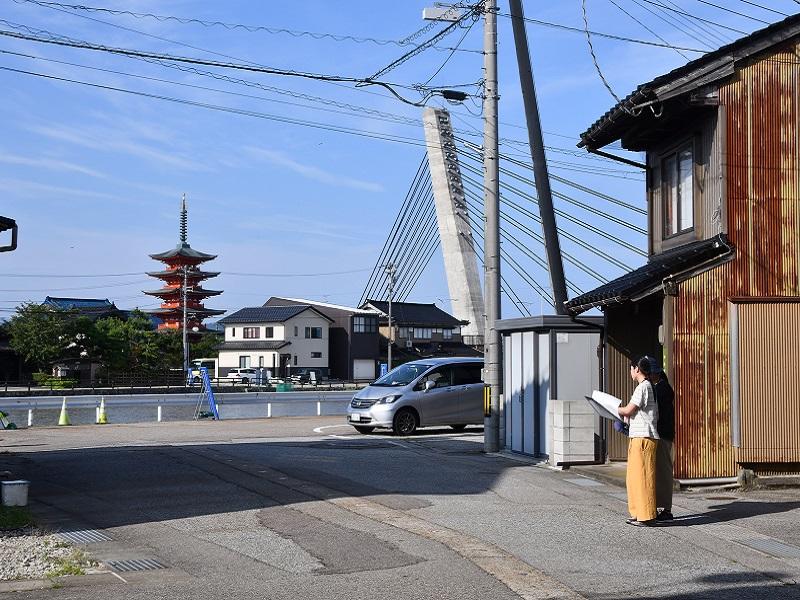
{"x": 30, "y": 553}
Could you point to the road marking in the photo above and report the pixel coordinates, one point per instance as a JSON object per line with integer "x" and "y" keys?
{"x": 319, "y": 429}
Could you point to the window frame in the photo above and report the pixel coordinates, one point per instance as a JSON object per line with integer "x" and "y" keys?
{"x": 251, "y": 333}
{"x": 309, "y": 333}
{"x": 269, "y": 333}
{"x": 316, "y": 355}
{"x": 365, "y": 324}
{"x": 673, "y": 152}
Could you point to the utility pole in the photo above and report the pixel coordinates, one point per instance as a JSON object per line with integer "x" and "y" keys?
{"x": 391, "y": 272}
{"x": 540, "y": 174}
{"x": 185, "y": 321}
{"x": 493, "y": 360}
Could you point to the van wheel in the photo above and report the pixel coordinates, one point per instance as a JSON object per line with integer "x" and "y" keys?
{"x": 245, "y": 380}
{"x": 458, "y": 427}
{"x": 405, "y": 422}
{"x": 364, "y": 430}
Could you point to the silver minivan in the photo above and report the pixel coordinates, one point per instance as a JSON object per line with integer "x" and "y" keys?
{"x": 436, "y": 391}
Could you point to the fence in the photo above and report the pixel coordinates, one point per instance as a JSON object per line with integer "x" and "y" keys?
{"x": 161, "y": 383}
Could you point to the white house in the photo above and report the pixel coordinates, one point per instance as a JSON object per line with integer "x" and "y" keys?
{"x": 282, "y": 339}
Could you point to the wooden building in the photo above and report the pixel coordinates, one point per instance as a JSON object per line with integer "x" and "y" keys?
{"x": 719, "y": 299}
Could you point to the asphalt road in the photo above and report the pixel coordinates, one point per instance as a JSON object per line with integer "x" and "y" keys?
{"x": 302, "y": 508}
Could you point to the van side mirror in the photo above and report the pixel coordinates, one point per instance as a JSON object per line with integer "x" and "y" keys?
{"x": 429, "y": 385}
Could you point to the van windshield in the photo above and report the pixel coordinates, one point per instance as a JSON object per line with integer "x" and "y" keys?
{"x": 402, "y": 375}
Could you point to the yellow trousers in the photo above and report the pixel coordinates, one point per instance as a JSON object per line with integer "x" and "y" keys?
{"x": 641, "y": 478}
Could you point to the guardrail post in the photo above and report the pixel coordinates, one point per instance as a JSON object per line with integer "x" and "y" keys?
{"x": 319, "y": 408}
{"x": 269, "y": 410}
{"x": 30, "y": 417}
{"x": 158, "y": 414}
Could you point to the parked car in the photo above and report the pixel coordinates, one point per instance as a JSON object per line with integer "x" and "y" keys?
{"x": 244, "y": 375}
{"x": 437, "y": 391}
{"x": 307, "y": 375}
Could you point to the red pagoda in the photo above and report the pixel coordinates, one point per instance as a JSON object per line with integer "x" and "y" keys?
{"x": 182, "y": 277}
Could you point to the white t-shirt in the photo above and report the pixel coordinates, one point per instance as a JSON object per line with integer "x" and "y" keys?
{"x": 643, "y": 423}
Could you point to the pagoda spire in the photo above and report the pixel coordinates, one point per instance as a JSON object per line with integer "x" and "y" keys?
{"x": 184, "y": 220}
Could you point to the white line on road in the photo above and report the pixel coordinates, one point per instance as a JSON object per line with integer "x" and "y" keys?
{"x": 319, "y": 429}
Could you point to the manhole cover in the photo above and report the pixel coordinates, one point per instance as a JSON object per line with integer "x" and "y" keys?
{"x": 84, "y": 536}
{"x": 773, "y": 547}
{"x": 135, "y": 564}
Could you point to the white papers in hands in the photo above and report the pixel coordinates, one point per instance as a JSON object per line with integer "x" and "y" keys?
{"x": 605, "y": 405}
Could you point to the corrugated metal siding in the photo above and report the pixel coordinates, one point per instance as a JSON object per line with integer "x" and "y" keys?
{"x": 763, "y": 217}
{"x": 619, "y": 384}
{"x": 769, "y": 392}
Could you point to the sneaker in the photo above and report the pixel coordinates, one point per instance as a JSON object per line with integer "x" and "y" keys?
{"x": 636, "y": 523}
{"x": 665, "y": 515}
{"x": 631, "y": 521}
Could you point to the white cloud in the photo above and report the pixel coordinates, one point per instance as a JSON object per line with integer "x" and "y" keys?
{"x": 49, "y": 163}
{"x": 312, "y": 172}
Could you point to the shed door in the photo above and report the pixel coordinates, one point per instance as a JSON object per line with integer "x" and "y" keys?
{"x": 765, "y": 381}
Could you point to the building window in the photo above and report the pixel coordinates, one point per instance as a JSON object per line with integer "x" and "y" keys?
{"x": 244, "y": 362}
{"x": 269, "y": 332}
{"x": 314, "y": 333}
{"x": 316, "y": 355}
{"x": 251, "y": 333}
{"x": 233, "y": 331}
{"x": 402, "y": 332}
{"x": 295, "y": 360}
{"x": 422, "y": 333}
{"x": 365, "y": 325}
{"x": 260, "y": 361}
{"x": 295, "y": 331}
{"x": 677, "y": 171}
{"x": 447, "y": 334}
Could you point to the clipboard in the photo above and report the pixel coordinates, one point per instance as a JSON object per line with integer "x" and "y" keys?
{"x": 604, "y": 405}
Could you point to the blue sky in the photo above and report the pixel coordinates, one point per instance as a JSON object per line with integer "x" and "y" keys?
{"x": 94, "y": 177}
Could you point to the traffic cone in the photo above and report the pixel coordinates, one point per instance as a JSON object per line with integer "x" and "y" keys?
{"x": 101, "y": 414}
{"x": 63, "y": 418}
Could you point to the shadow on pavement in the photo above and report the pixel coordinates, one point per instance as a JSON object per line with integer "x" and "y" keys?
{"x": 749, "y": 585}
{"x": 116, "y": 486}
{"x": 733, "y": 511}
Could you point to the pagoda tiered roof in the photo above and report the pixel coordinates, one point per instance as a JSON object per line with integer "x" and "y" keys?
{"x": 192, "y": 274}
{"x": 177, "y": 291}
{"x": 185, "y": 251}
{"x": 178, "y": 310}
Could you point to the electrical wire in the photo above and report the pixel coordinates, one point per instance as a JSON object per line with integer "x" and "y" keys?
{"x": 646, "y": 27}
{"x": 670, "y": 19}
{"x": 762, "y": 7}
{"x": 237, "y": 111}
{"x": 679, "y": 11}
{"x": 594, "y": 56}
{"x": 234, "y": 26}
{"x": 610, "y": 36}
{"x": 736, "y": 12}
{"x": 70, "y": 43}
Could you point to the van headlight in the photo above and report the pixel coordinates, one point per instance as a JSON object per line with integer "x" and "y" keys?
{"x": 390, "y": 399}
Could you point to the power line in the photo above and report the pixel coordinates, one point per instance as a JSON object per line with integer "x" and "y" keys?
{"x": 672, "y": 21}
{"x": 762, "y": 7}
{"x": 234, "y": 26}
{"x": 473, "y": 12}
{"x": 237, "y": 111}
{"x": 609, "y": 35}
{"x": 70, "y": 43}
{"x": 679, "y": 11}
{"x": 736, "y": 12}
{"x": 644, "y": 26}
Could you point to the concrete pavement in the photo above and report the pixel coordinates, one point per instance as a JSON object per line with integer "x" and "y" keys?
{"x": 273, "y": 508}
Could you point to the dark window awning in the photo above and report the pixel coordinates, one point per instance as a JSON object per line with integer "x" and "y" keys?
{"x": 672, "y": 266}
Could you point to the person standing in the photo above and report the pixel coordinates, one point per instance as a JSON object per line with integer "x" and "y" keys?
{"x": 642, "y": 415}
{"x": 665, "y": 399}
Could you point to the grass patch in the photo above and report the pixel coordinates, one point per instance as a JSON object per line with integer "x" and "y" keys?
{"x": 74, "y": 564}
{"x": 15, "y": 517}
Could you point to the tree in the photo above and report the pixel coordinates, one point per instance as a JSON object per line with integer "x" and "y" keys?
{"x": 207, "y": 345}
{"x": 39, "y": 334}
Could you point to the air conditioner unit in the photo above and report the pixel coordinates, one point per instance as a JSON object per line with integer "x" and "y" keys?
{"x": 409, "y": 344}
